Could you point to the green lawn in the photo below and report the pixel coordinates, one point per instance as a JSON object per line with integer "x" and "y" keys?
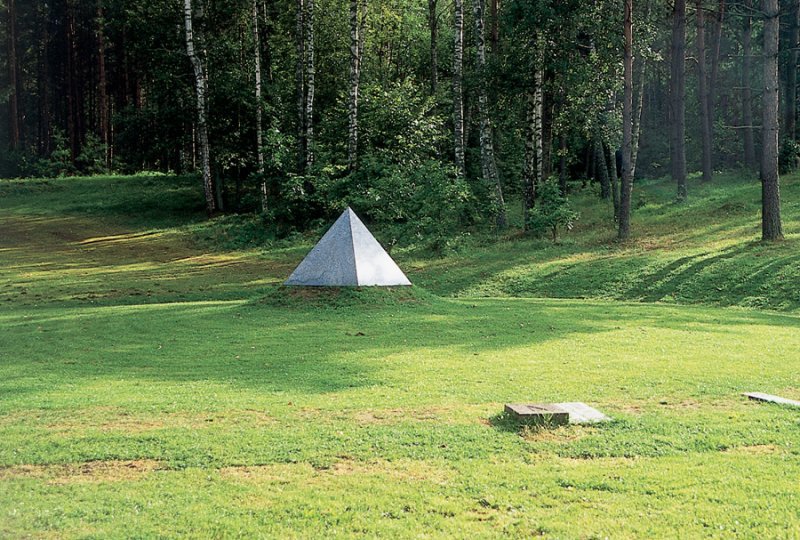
{"x": 151, "y": 386}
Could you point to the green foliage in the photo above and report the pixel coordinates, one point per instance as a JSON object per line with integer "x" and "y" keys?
{"x": 426, "y": 205}
{"x": 236, "y": 231}
{"x": 401, "y": 120}
{"x": 92, "y": 159}
{"x": 552, "y": 211}
{"x": 789, "y": 156}
{"x": 59, "y": 162}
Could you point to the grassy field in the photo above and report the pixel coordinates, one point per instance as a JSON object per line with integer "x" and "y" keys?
{"x": 151, "y": 385}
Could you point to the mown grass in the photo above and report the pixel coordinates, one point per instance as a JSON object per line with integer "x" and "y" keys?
{"x": 149, "y": 388}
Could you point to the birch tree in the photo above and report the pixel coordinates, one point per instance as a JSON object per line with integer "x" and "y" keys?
{"x": 259, "y": 114}
{"x": 458, "y": 91}
{"x": 200, "y": 106}
{"x": 488, "y": 164}
{"x": 357, "y": 22}
{"x": 532, "y": 167}
{"x": 626, "y": 186}
{"x": 300, "y": 86}
{"x": 310, "y": 76}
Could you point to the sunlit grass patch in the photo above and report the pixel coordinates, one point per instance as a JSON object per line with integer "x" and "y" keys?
{"x": 153, "y": 385}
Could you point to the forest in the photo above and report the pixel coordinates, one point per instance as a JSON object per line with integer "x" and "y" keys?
{"x": 430, "y": 117}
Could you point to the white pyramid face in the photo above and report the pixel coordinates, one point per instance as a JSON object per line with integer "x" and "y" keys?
{"x": 347, "y": 255}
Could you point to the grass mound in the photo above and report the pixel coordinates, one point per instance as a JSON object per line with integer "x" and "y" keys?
{"x": 344, "y": 297}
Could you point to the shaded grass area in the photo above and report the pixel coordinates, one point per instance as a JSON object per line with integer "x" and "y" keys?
{"x": 705, "y": 251}
{"x": 152, "y": 388}
{"x": 226, "y": 416}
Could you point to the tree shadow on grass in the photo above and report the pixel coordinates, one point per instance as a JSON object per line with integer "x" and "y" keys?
{"x": 320, "y": 351}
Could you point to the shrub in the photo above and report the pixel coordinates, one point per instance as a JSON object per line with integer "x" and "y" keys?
{"x": 552, "y": 211}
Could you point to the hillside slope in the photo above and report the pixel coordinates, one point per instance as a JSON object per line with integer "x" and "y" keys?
{"x": 705, "y": 251}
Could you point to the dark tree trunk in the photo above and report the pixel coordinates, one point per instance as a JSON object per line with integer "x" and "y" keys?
{"x": 770, "y": 188}
{"x": 638, "y": 101}
{"x": 703, "y": 96}
{"x": 602, "y": 168}
{"x": 711, "y": 88}
{"x": 45, "y": 131}
{"x": 495, "y": 34}
{"x": 790, "y": 106}
{"x": 747, "y": 92}
{"x": 72, "y": 84}
{"x": 547, "y": 126}
{"x": 639, "y": 65}
{"x": 102, "y": 85}
{"x": 562, "y": 165}
{"x": 627, "y": 126}
{"x": 13, "y": 78}
{"x": 677, "y": 100}
{"x": 433, "y": 24}
{"x": 611, "y": 163}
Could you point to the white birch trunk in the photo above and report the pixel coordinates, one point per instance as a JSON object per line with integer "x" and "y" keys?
{"x": 532, "y": 171}
{"x": 310, "y": 74}
{"x": 259, "y": 138}
{"x": 355, "y": 71}
{"x": 200, "y": 90}
{"x": 458, "y": 91}
{"x": 488, "y": 164}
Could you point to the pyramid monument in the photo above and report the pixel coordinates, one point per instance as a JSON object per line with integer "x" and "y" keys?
{"x": 347, "y": 256}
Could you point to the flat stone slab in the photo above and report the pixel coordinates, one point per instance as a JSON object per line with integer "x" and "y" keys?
{"x": 581, "y": 413}
{"x": 540, "y": 414}
{"x": 758, "y": 396}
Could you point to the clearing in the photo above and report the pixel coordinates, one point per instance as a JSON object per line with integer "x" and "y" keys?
{"x": 153, "y": 386}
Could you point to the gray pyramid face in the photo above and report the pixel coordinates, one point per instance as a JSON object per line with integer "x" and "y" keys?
{"x": 347, "y": 256}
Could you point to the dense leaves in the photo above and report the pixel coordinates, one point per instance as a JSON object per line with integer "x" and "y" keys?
{"x": 92, "y": 86}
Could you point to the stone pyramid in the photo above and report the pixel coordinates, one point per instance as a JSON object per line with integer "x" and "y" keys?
{"x": 347, "y": 256}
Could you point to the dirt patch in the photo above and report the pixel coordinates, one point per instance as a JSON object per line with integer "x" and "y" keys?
{"x": 391, "y": 416}
{"x": 403, "y": 470}
{"x": 681, "y": 404}
{"x": 86, "y": 472}
{"x": 561, "y": 435}
{"x": 112, "y": 420}
{"x": 755, "y": 449}
{"x": 277, "y": 472}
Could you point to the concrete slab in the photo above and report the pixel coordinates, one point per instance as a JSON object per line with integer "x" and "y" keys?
{"x": 540, "y": 414}
{"x": 769, "y": 398}
{"x": 581, "y": 413}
